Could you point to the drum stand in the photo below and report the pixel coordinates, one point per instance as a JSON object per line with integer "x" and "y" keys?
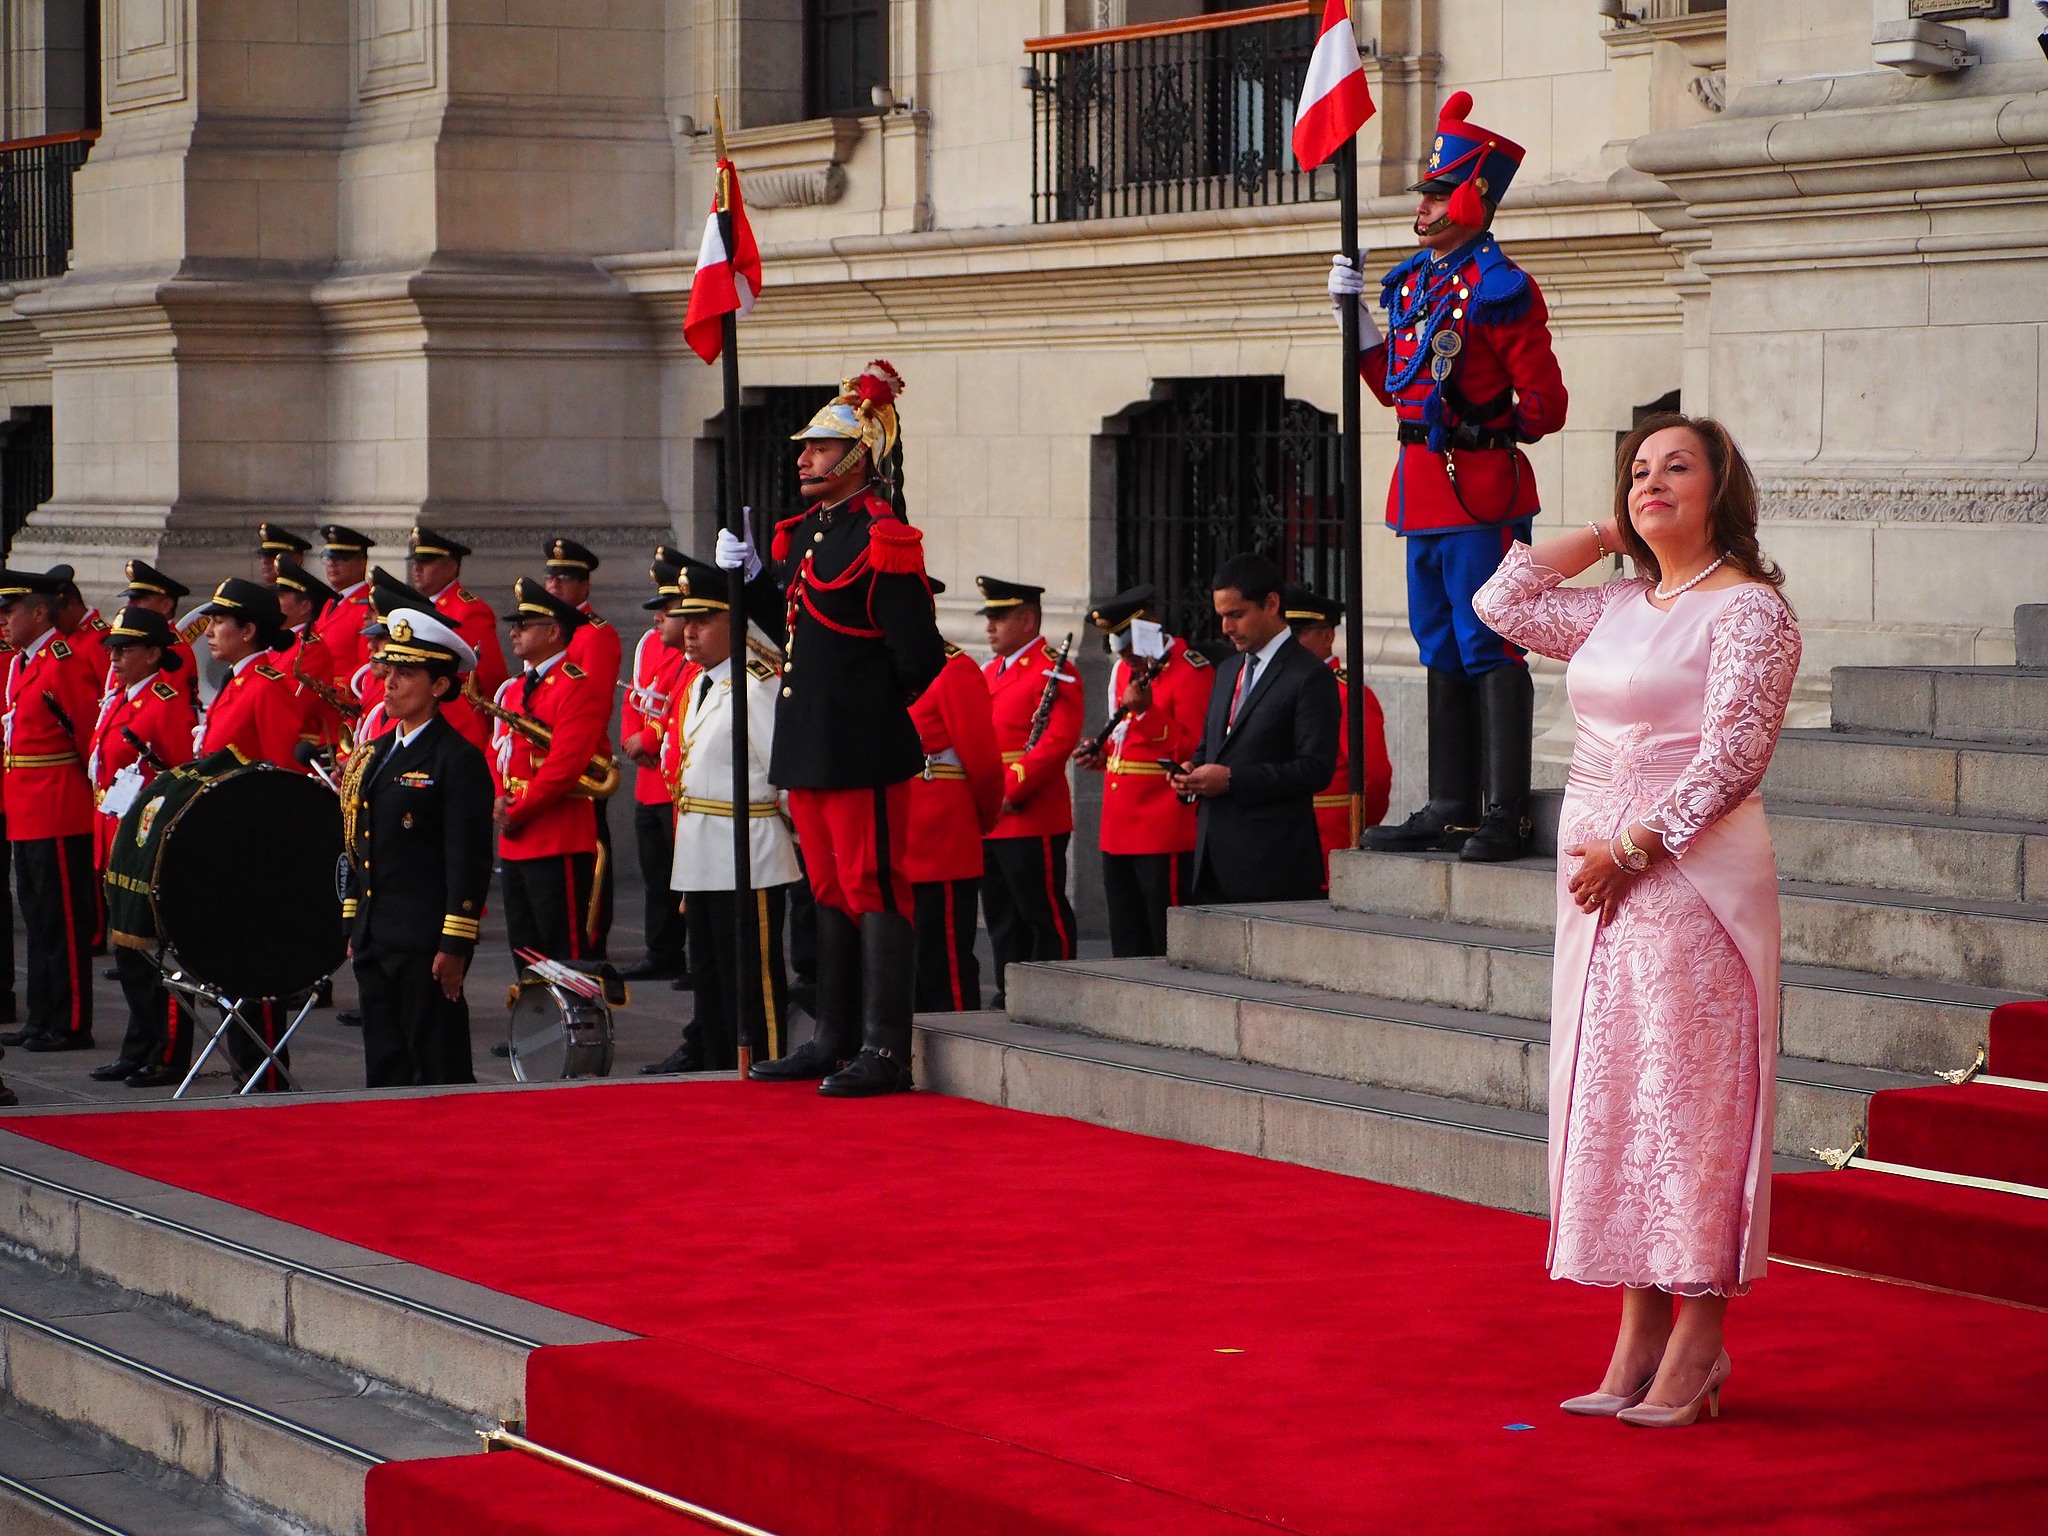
{"x": 197, "y": 993}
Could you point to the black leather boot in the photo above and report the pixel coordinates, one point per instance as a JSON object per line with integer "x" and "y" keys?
{"x": 888, "y": 956}
{"x": 1507, "y": 707}
{"x": 1453, "y": 809}
{"x": 839, "y": 994}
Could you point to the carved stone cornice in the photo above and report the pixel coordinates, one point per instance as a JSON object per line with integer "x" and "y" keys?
{"x": 793, "y": 165}
{"x": 1964, "y": 495}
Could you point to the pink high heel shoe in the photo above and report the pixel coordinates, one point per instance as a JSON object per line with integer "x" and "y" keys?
{"x": 1656, "y": 1416}
{"x": 1605, "y": 1405}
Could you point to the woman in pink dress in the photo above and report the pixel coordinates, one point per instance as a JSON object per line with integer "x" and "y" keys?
{"x": 1664, "y": 1005}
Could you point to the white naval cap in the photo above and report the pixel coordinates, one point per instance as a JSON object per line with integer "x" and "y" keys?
{"x": 422, "y": 639}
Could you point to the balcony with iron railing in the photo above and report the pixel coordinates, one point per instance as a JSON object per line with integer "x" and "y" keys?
{"x": 1172, "y": 117}
{"x": 35, "y": 203}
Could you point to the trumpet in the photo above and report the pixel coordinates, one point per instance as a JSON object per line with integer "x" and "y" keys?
{"x": 600, "y": 777}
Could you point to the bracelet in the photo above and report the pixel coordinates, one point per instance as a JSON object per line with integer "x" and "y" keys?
{"x": 1600, "y": 543}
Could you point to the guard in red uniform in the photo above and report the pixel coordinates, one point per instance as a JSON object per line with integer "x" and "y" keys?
{"x": 953, "y": 806}
{"x": 306, "y": 601}
{"x": 1024, "y": 893}
{"x": 257, "y": 712}
{"x": 51, "y": 702}
{"x": 1469, "y": 370}
{"x": 597, "y": 649}
{"x": 547, "y": 833}
{"x": 341, "y": 626}
{"x": 1158, "y": 700}
{"x": 150, "y": 589}
{"x": 81, "y": 625}
{"x": 862, "y": 643}
{"x": 656, "y": 667}
{"x": 1314, "y": 620}
{"x": 148, "y": 705}
{"x": 272, "y": 541}
{"x": 436, "y": 569}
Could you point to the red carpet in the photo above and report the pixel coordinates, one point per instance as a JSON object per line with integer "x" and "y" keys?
{"x": 1979, "y": 1129}
{"x": 2019, "y": 1041}
{"x": 925, "y": 1317}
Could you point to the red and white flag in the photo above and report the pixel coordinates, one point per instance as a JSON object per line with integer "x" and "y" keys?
{"x": 726, "y": 281}
{"x": 1335, "y": 100}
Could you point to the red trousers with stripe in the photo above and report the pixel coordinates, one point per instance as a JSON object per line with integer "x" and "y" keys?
{"x": 948, "y": 974}
{"x": 59, "y": 897}
{"x": 854, "y": 842}
{"x": 1024, "y": 894}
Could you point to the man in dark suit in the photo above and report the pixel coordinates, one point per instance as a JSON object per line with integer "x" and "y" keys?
{"x": 421, "y": 796}
{"x": 1268, "y": 747}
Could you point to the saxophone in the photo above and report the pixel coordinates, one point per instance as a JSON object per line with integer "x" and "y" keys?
{"x": 600, "y": 777}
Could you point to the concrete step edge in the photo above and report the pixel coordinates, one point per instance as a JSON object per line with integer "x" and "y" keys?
{"x": 57, "y": 1479}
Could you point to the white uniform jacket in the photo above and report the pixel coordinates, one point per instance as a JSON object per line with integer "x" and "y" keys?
{"x": 703, "y": 859}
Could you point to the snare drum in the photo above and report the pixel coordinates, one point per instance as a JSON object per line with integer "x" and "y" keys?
{"x": 557, "y": 1033}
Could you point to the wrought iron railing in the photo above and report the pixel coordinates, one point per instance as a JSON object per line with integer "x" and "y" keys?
{"x": 1172, "y": 118}
{"x": 35, "y": 203}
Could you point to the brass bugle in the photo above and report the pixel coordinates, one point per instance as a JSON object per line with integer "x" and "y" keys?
{"x": 600, "y": 777}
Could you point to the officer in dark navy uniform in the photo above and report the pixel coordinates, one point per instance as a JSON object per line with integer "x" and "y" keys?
{"x": 1469, "y": 370}
{"x": 416, "y": 812}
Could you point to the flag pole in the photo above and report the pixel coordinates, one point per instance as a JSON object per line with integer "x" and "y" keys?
{"x": 1354, "y": 514}
{"x": 747, "y": 938}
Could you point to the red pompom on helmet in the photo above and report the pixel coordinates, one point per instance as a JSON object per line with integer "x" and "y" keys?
{"x": 878, "y": 383}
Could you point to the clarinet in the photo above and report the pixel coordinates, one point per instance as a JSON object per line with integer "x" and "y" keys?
{"x": 1148, "y": 673}
{"x": 1042, "y": 720}
{"x": 143, "y": 751}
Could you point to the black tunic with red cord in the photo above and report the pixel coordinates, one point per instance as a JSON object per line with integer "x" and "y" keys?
{"x": 862, "y": 644}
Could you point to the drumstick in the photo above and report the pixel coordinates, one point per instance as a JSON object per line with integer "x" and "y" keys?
{"x": 143, "y": 751}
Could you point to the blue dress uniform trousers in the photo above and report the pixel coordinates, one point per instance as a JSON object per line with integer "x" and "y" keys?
{"x": 1444, "y": 571}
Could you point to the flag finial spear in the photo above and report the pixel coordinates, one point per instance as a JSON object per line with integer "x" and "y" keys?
{"x": 718, "y": 144}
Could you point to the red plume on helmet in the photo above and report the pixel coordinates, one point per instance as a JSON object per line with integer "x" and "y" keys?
{"x": 1479, "y": 160}
{"x": 1456, "y": 108}
{"x": 879, "y": 383}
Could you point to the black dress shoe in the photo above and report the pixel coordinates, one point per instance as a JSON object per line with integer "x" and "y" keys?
{"x": 114, "y": 1071}
{"x": 20, "y": 1036}
{"x": 348, "y": 1018}
{"x": 153, "y": 1077}
{"x": 807, "y": 1063}
{"x": 82, "y": 1041}
{"x": 652, "y": 968}
{"x": 869, "y": 1075}
{"x": 1502, "y": 836}
{"x": 678, "y": 1060}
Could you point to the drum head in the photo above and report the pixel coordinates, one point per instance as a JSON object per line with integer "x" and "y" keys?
{"x": 245, "y": 895}
{"x": 556, "y": 1034}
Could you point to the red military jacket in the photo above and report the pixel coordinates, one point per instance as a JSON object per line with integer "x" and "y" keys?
{"x": 472, "y": 618}
{"x": 1140, "y": 812}
{"x": 596, "y": 648}
{"x": 257, "y": 712}
{"x": 48, "y": 792}
{"x": 319, "y": 722}
{"x": 1333, "y": 805}
{"x": 954, "y": 802}
{"x": 547, "y": 816}
{"x": 87, "y": 641}
{"x": 160, "y": 713}
{"x": 340, "y": 630}
{"x": 1034, "y": 783}
{"x": 1491, "y": 317}
{"x": 641, "y": 716}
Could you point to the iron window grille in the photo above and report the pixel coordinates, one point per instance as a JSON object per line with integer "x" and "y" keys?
{"x": 846, "y": 55}
{"x": 35, "y": 203}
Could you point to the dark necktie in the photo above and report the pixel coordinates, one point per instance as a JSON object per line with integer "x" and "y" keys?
{"x": 703, "y": 690}
{"x": 1246, "y": 676}
{"x": 526, "y": 686}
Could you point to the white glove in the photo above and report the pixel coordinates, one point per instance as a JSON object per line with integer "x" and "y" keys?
{"x": 1348, "y": 282}
{"x": 737, "y": 554}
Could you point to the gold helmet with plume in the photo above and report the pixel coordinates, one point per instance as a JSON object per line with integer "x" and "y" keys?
{"x": 862, "y": 414}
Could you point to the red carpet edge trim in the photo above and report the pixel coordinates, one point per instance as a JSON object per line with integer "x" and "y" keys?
{"x": 1910, "y": 1285}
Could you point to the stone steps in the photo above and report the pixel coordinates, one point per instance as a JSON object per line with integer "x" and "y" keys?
{"x": 1934, "y": 776}
{"x": 1983, "y": 704}
{"x": 244, "y": 1367}
{"x": 1449, "y": 1053}
{"x": 1976, "y": 858}
{"x": 56, "y": 1481}
{"x": 2001, "y": 945}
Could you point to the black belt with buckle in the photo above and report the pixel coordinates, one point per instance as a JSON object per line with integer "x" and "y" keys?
{"x": 1463, "y": 437}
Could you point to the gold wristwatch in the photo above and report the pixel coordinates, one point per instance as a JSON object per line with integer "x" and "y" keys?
{"x": 1633, "y": 859}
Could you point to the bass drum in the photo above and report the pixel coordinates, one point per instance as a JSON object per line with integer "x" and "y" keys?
{"x": 239, "y": 865}
{"x": 557, "y": 1033}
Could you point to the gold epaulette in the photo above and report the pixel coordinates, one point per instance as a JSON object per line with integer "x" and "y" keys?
{"x": 100, "y": 624}
{"x": 60, "y": 650}
{"x": 163, "y": 691}
{"x": 574, "y": 673}
{"x": 1050, "y": 653}
{"x": 953, "y": 650}
{"x": 1194, "y": 658}
{"x": 264, "y": 670}
{"x": 597, "y": 621}
{"x": 760, "y": 669}
{"x": 1343, "y": 676}
{"x": 463, "y": 593}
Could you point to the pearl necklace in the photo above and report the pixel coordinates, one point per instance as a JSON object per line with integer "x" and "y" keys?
{"x": 1680, "y": 591}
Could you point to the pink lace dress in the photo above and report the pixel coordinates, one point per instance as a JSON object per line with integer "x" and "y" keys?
{"x": 1664, "y": 1019}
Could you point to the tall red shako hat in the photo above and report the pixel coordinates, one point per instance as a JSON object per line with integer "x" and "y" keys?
{"x": 1472, "y": 163}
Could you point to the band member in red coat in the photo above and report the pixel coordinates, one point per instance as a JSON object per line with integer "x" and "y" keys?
{"x": 953, "y": 806}
{"x": 347, "y": 557}
{"x": 149, "y": 588}
{"x": 862, "y": 643}
{"x": 597, "y": 649}
{"x": 81, "y": 624}
{"x": 51, "y": 702}
{"x": 1024, "y": 893}
{"x": 436, "y": 569}
{"x": 1314, "y": 620}
{"x": 305, "y": 601}
{"x": 1158, "y": 699}
{"x": 144, "y": 727}
{"x": 1469, "y": 369}
{"x": 656, "y": 666}
{"x": 272, "y": 541}
{"x": 547, "y": 832}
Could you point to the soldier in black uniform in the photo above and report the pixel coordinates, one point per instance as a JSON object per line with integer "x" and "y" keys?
{"x": 862, "y": 643}
{"x": 416, "y": 809}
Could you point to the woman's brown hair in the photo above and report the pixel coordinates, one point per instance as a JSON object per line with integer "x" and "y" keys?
{"x": 1731, "y": 516}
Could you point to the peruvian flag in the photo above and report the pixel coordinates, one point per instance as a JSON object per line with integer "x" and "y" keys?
{"x": 1335, "y": 100}
{"x": 726, "y": 280}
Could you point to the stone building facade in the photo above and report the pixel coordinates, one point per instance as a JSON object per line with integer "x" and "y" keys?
{"x": 387, "y": 260}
